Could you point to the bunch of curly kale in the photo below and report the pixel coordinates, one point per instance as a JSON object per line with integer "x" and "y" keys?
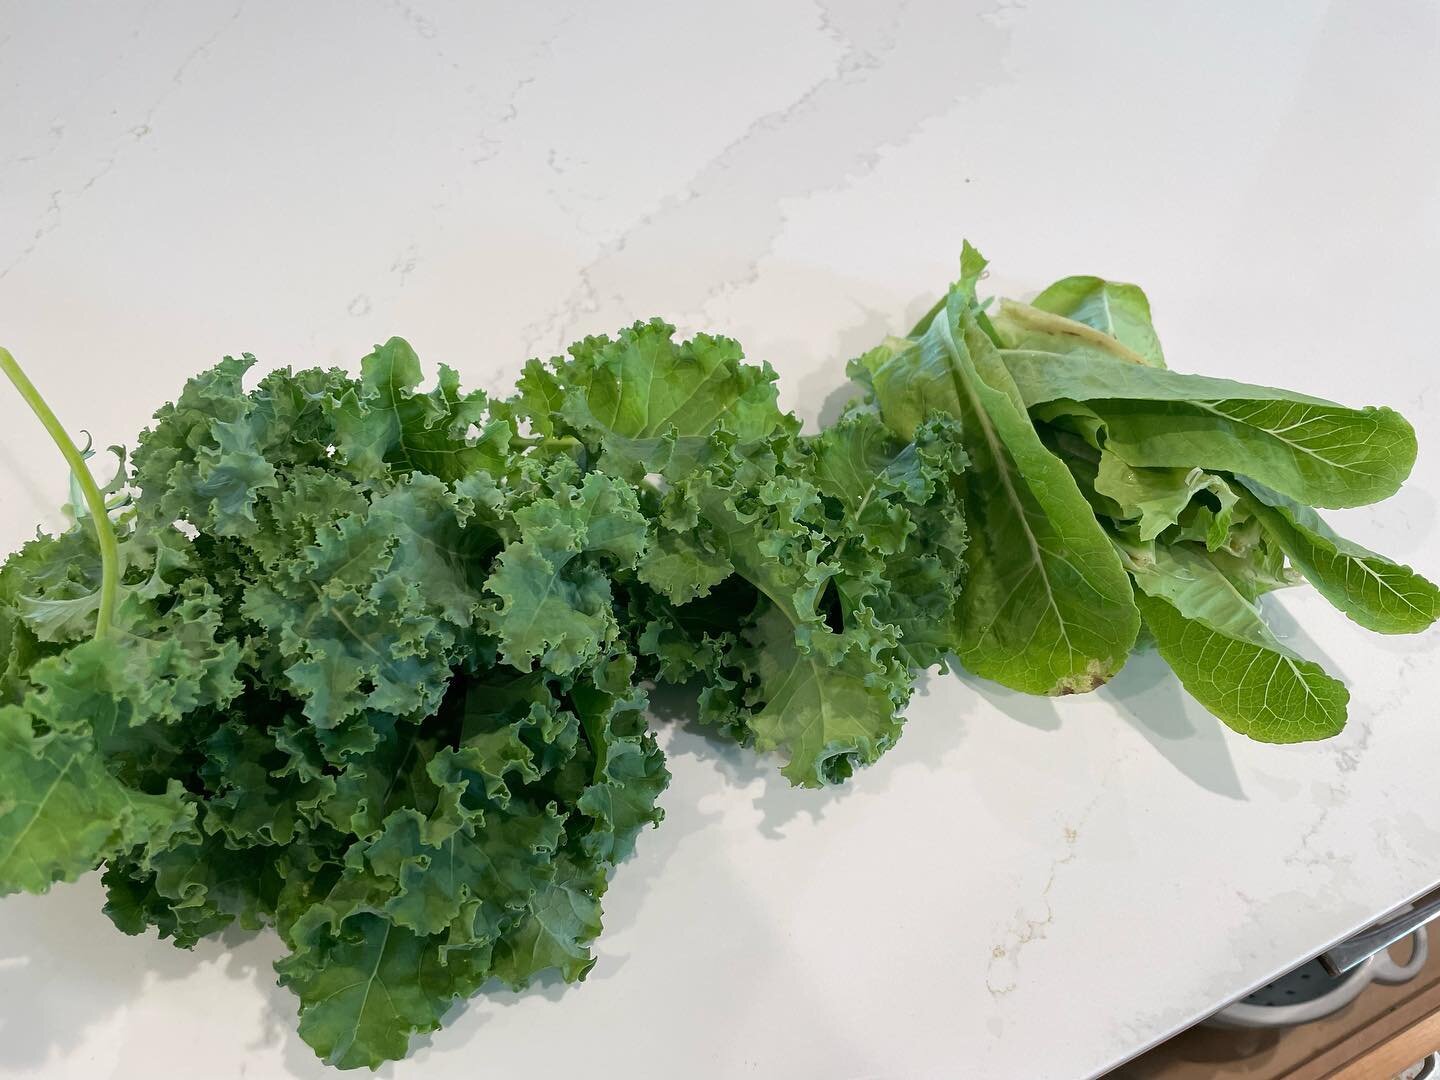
{"x": 375, "y": 668}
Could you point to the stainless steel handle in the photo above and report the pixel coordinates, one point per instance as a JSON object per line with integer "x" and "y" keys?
{"x": 1358, "y": 949}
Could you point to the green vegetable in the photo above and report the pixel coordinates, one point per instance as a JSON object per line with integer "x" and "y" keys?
{"x": 1309, "y": 449}
{"x": 1202, "y": 490}
{"x": 1115, "y": 309}
{"x": 1377, "y": 593}
{"x": 768, "y": 577}
{"x": 1215, "y": 640}
{"x": 1047, "y": 608}
{"x": 81, "y": 478}
{"x": 367, "y": 663}
{"x": 377, "y": 669}
{"x": 1159, "y": 498}
{"x": 324, "y": 711}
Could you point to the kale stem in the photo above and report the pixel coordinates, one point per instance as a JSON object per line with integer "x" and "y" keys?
{"x": 94, "y": 501}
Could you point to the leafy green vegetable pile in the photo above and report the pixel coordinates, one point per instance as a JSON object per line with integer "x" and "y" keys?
{"x": 1106, "y": 493}
{"x": 368, "y": 663}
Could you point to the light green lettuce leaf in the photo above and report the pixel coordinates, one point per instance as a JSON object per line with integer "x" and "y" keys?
{"x": 1217, "y": 520}
{"x": 1156, "y": 498}
{"x": 1215, "y": 641}
{"x": 1047, "y": 607}
{"x": 1313, "y": 450}
{"x": 1030, "y": 333}
{"x": 1115, "y": 308}
{"x": 1377, "y": 593}
{"x": 1092, "y": 376}
{"x": 1252, "y": 562}
{"x": 1327, "y": 455}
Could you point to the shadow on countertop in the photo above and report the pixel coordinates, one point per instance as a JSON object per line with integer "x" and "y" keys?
{"x": 1149, "y": 698}
{"x": 64, "y": 969}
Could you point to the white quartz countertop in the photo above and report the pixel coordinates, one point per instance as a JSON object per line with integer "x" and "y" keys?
{"x": 1024, "y": 887}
